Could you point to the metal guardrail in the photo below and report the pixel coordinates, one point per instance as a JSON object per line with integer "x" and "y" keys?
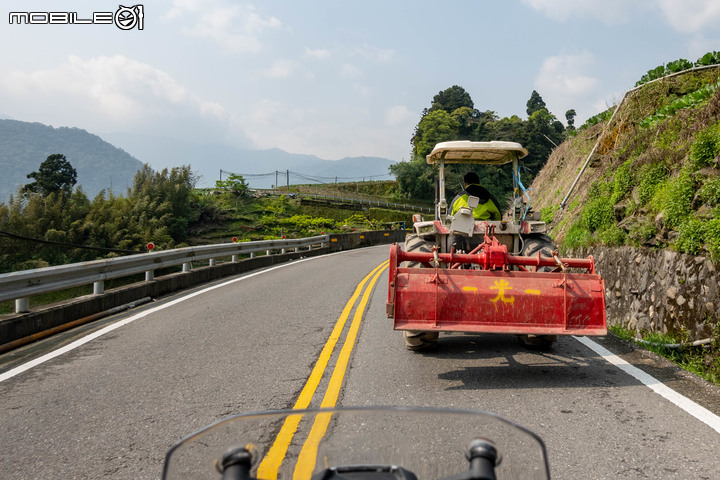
{"x": 21, "y": 285}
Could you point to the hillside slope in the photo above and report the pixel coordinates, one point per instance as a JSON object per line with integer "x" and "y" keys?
{"x": 654, "y": 179}
{"x": 24, "y": 146}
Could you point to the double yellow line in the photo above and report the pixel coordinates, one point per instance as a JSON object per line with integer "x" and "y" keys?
{"x": 268, "y": 469}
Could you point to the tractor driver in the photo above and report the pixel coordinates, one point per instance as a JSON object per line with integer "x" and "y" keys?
{"x": 487, "y": 207}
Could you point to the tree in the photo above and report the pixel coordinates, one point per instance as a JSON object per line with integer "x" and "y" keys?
{"x": 466, "y": 118}
{"x": 437, "y": 126}
{"x": 451, "y": 99}
{"x": 535, "y": 103}
{"x": 55, "y": 175}
{"x": 234, "y": 184}
{"x": 570, "y": 117}
{"x": 416, "y": 179}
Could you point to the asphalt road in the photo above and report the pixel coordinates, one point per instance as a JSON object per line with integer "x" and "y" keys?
{"x": 112, "y": 406}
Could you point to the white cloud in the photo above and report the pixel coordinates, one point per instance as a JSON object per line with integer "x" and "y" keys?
{"x": 320, "y": 54}
{"x": 281, "y": 69}
{"x": 699, "y": 45}
{"x": 399, "y": 115}
{"x": 686, "y": 16}
{"x": 691, "y": 16}
{"x": 113, "y": 93}
{"x": 234, "y": 27}
{"x": 376, "y": 54}
{"x": 564, "y": 83}
{"x": 363, "y": 90}
{"x": 607, "y": 11}
{"x": 564, "y": 74}
{"x": 348, "y": 70}
{"x": 323, "y": 131}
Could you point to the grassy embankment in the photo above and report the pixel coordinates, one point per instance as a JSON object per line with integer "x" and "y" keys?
{"x": 653, "y": 182}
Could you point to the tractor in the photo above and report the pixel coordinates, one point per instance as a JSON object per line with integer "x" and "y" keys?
{"x": 457, "y": 273}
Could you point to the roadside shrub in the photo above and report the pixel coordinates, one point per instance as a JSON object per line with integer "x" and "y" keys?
{"x": 612, "y": 236}
{"x": 547, "y": 214}
{"x": 598, "y": 213}
{"x": 383, "y": 215}
{"x": 709, "y": 193}
{"x": 675, "y": 200}
{"x": 650, "y": 178}
{"x": 577, "y": 236}
{"x": 623, "y": 181}
{"x": 706, "y": 147}
{"x": 691, "y": 236}
{"x": 356, "y": 219}
{"x": 642, "y": 232}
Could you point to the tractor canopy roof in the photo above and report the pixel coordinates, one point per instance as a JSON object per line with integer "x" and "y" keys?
{"x": 465, "y": 151}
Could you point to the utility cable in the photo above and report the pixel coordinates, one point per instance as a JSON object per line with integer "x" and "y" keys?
{"x": 64, "y": 244}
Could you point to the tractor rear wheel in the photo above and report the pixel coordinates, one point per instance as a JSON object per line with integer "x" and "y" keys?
{"x": 532, "y": 245}
{"x": 417, "y": 339}
{"x": 414, "y": 243}
{"x": 538, "y": 243}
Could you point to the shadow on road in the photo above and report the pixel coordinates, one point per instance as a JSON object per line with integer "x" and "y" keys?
{"x": 482, "y": 362}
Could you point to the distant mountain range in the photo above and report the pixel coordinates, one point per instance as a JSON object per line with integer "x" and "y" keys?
{"x": 102, "y": 165}
{"x": 257, "y": 166}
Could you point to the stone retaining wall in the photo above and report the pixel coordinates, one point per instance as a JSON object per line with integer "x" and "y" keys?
{"x": 659, "y": 290}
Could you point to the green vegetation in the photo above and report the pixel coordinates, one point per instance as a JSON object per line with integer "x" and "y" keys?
{"x": 547, "y": 214}
{"x": 693, "y": 99}
{"x": 676, "y": 66}
{"x": 599, "y": 118}
{"x": 157, "y": 209}
{"x": 54, "y": 224}
{"x": 664, "y": 188}
{"x": 702, "y": 361}
{"x": 55, "y": 175}
{"x": 453, "y": 116}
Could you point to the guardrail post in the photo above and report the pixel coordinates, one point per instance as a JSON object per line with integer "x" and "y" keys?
{"x": 149, "y": 275}
{"x": 297, "y": 249}
{"x": 98, "y": 287}
{"x": 187, "y": 266}
{"x": 267, "y": 252}
{"x": 22, "y": 305}
{"x": 252, "y": 254}
{"x": 234, "y": 259}
{"x": 212, "y": 262}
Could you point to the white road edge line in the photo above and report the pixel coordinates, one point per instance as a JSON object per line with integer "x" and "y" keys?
{"x": 697, "y": 411}
{"x": 89, "y": 338}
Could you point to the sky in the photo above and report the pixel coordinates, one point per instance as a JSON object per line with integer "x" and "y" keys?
{"x": 331, "y": 78}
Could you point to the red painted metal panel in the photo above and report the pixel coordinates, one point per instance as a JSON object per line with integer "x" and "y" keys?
{"x": 499, "y": 301}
